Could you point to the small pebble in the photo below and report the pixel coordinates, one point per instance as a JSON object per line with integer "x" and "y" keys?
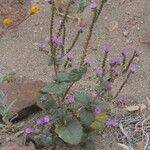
{"x": 125, "y": 33}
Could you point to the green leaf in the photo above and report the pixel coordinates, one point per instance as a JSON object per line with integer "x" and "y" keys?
{"x": 57, "y": 61}
{"x": 76, "y": 74}
{"x": 104, "y": 105}
{"x": 43, "y": 140}
{"x": 83, "y": 98}
{"x": 82, "y": 5}
{"x": 86, "y": 116}
{"x": 58, "y": 114}
{"x": 71, "y": 132}
{"x": 63, "y": 77}
{"x": 50, "y": 104}
{"x": 90, "y": 145}
{"x": 56, "y": 88}
{"x": 100, "y": 89}
{"x": 2, "y": 95}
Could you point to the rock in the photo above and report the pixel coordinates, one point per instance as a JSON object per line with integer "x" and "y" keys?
{"x": 125, "y": 33}
{"x": 15, "y": 147}
{"x": 145, "y": 39}
{"x": 23, "y": 94}
{"x": 132, "y": 108}
{"x": 113, "y": 26}
{"x": 142, "y": 107}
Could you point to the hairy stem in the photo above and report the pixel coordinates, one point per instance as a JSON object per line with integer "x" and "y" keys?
{"x": 67, "y": 91}
{"x": 123, "y": 84}
{"x": 51, "y": 26}
{"x": 73, "y": 43}
{"x": 64, "y": 19}
{"x": 130, "y": 62}
{"x": 100, "y": 9}
{"x": 64, "y": 37}
{"x": 88, "y": 38}
{"x": 104, "y": 64}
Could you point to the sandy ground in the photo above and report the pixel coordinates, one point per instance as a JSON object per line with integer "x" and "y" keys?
{"x": 19, "y": 51}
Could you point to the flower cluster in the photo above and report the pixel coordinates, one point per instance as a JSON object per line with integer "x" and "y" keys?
{"x": 57, "y": 40}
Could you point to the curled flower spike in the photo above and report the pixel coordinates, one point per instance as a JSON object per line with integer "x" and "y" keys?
{"x": 43, "y": 98}
{"x": 58, "y": 41}
{"x": 46, "y": 119}
{"x": 69, "y": 56}
{"x": 109, "y": 86}
{"x": 111, "y": 123}
{"x": 29, "y": 130}
{"x": 98, "y": 72}
{"x": 117, "y": 72}
{"x": 34, "y": 10}
{"x": 40, "y": 121}
{"x": 122, "y": 100}
{"x": 118, "y": 60}
{"x": 42, "y": 45}
{"x": 106, "y": 49}
{"x": 136, "y": 53}
{"x": 93, "y": 5}
{"x": 79, "y": 29}
{"x": 71, "y": 99}
{"x": 88, "y": 61}
{"x": 125, "y": 52}
{"x": 8, "y": 21}
{"x": 97, "y": 109}
{"x": 132, "y": 69}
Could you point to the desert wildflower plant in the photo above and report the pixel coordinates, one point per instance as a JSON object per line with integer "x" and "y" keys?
{"x": 74, "y": 118}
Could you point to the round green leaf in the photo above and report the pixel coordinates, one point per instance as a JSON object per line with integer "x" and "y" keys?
{"x": 70, "y": 133}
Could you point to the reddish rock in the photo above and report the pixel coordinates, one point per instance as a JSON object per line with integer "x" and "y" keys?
{"x": 23, "y": 94}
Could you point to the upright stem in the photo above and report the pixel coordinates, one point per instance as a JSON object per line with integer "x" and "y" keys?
{"x": 130, "y": 62}
{"x": 74, "y": 42}
{"x": 67, "y": 91}
{"x": 64, "y": 36}
{"x": 64, "y": 19}
{"x": 88, "y": 38}
{"x": 123, "y": 84}
{"x": 104, "y": 64}
{"x": 51, "y": 26}
{"x": 100, "y": 9}
{"x": 124, "y": 62}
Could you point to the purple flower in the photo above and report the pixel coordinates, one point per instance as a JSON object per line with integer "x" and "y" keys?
{"x": 79, "y": 29}
{"x": 43, "y": 98}
{"x": 122, "y": 100}
{"x": 42, "y": 45}
{"x": 40, "y": 121}
{"x": 111, "y": 123}
{"x": 69, "y": 56}
{"x": 107, "y": 49}
{"x": 46, "y": 119}
{"x": 118, "y": 60}
{"x": 112, "y": 62}
{"x": 136, "y": 53}
{"x": 132, "y": 69}
{"x": 98, "y": 72}
{"x": 97, "y": 109}
{"x": 117, "y": 72}
{"x": 93, "y": 5}
{"x": 58, "y": 41}
{"x": 88, "y": 61}
{"x": 109, "y": 86}
{"x": 125, "y": 52}
{"x": 29, "y": 130}
{"x": 71, "y": 99}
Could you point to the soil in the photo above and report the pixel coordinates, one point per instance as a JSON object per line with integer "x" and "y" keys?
{"x": 123, "y": 24}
